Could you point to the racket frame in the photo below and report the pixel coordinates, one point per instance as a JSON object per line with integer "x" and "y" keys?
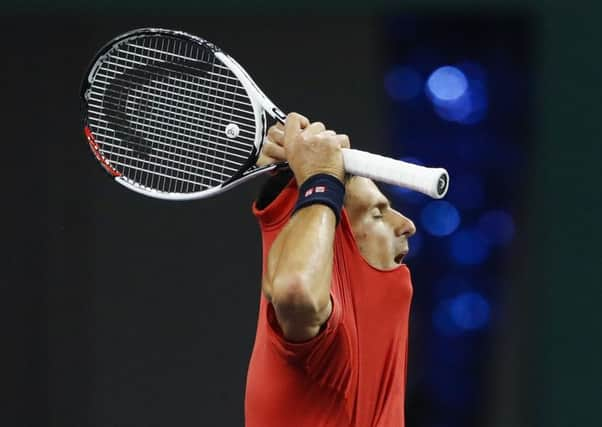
{"x": 431, "y": 181}
{"x": 259, "y": 102}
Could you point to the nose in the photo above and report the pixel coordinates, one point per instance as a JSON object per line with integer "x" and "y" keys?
{"x": 404, "y": 226}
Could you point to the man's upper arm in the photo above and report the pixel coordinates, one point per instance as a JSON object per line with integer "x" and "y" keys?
{"x": 298, "y": 326}
{"x": 295, "y": 321}
{"x": 328, "y": 356}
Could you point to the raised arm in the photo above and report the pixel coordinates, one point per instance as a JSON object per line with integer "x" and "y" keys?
{"x": 299, "y": 265}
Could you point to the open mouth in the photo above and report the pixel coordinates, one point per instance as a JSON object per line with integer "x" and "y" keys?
{"x": 399, "y": 258}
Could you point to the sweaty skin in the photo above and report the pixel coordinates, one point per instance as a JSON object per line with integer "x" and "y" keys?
{"x": 299, "y": 264}
{"x": 380, "y": 231}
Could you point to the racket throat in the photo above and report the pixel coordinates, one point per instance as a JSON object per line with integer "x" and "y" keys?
{"x": 278, "y": 114}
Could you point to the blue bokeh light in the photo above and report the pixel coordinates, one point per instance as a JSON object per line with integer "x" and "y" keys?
{"x": 466, "y": 312}
{"x": 447, "y": 84}
{"x": 497, "y": 227}
{"x": 455, "y": 96}
{"x": 442, "y": 320}
{"x": 469, "y": 247}
{"x": 470, "y": 311}
{"x": 456, "y": 111}
{"x": 469, "y": 117}
{"x": 440, "y": 218}
{"x": 477, "y": 96}
{"x": 451, "y": 285}
{"x": 403, "y": 83}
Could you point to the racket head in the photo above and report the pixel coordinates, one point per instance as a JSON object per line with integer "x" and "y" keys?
{"x": 171, "y": 116}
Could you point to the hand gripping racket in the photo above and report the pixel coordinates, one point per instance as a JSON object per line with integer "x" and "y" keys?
{"x": 172, "y": 116}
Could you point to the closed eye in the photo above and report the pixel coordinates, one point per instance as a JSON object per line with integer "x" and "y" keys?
{"x": 377, "y": 213}
{"x": 380, "y": 209}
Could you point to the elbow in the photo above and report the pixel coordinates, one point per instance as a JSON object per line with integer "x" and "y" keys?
{"x": 292, "y": 294}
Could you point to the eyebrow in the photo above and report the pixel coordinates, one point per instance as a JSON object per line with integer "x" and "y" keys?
{"x": 384, "y": 203}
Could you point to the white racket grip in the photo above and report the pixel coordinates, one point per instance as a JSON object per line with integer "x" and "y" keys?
{"x": 433, "y": 182}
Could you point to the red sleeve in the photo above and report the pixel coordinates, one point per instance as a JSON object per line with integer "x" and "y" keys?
{"x": 279, "y": 210}
{"x": 296, "y": 351}
{"x": 327, "y": 356}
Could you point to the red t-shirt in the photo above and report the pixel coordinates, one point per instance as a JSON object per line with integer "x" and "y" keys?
{"x": 353, "y": 373}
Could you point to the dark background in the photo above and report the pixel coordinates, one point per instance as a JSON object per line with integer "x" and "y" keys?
{"x": 122, "y": 310}
{"x": 125, "y": 310}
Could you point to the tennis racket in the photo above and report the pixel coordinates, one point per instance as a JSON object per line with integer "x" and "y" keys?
{"x": 172, "y": 116}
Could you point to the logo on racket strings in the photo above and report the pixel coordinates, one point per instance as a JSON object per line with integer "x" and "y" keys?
{"x": 232, "y": 130}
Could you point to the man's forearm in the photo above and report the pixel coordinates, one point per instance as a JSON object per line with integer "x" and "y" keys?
{"x": 299, "y": 265}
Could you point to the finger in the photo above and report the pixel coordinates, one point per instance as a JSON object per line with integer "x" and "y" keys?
{"x": 293, "y": 125}
{"x": 314, "y": 129}
{"x": 295, "y": 121}
{"x": 343, "y": 141}
{"x": 274, "y": 151}
{"x": 265, "y": 160}
{"x": 329, "y": 133}
{"x": 276, "y": 134}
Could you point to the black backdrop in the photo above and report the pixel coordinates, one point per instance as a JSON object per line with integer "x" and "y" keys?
{"x": 124, "y": 310}
{"x": 49, "y": 366}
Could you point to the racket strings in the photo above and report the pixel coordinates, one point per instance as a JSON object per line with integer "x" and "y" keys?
{"x": 180, "y": 119}
{"x": 159, "y": 108}
{"x": 150, "y": 128}
{"x": 142, "y": 80}
{"x": 210, "y": 164}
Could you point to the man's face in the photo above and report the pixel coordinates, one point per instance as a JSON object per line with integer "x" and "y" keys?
{"x": 380, "y": 231}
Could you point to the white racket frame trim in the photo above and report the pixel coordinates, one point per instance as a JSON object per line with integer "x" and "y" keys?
{"x": 356, "y": 162}
{"x": 433, "y": 182}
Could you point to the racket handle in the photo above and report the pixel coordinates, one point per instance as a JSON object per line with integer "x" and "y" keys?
{"x": 433, "y": 182}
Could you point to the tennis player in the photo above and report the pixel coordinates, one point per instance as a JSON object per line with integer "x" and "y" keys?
{"x": 332, "y": 334}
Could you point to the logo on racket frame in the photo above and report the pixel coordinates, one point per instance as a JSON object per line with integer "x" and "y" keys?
{"x": 134, "y": 80}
